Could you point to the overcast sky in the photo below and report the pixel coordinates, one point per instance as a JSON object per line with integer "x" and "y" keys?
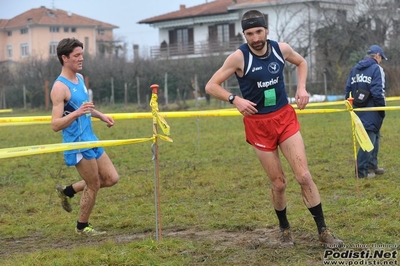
{"x": 122, "y": 13}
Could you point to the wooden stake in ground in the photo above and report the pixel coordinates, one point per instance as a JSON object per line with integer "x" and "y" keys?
{"x": 154, "y": 111}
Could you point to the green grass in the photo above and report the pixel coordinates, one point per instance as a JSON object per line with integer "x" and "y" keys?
{"x": 214, "y": 195}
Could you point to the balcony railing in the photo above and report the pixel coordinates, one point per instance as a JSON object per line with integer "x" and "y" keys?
{"x": 175, "y": 51}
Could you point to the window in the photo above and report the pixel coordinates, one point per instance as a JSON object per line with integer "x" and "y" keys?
{"x": 24, "y": 31}
{"x": 66, "y": 29}
{"x": 396, "y": 27}
{"x": 73, "y": 29}
{"x": 9, "y": 33}
{"x": 53, "y": 48}
{"x": 54, "y": 29}
{"x": 9, "y": 51}
{"x": 182, "y": 37}
{"x": 181, "y": 41}
{"x": 341, "y": 15}
{"x": 86, "y": 44}
{"x": 100, "y": 32}
{"x": 24, "y": 50}
{"x": 221, "y": 35}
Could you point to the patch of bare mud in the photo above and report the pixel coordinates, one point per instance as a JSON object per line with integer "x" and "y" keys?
{"x": 249, "y": 239}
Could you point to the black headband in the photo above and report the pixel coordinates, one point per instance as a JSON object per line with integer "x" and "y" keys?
{"x": 253, "y": 22}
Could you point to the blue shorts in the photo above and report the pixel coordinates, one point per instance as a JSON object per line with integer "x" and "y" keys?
{"x": 73, "y": 159}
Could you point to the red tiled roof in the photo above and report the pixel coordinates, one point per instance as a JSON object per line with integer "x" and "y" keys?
{"x": 48, "y": 16}
{"x": 252, "y": 2}
{"x": 211, "y": 8}
{"x": 3, "y": 22}
{"x": 244, "y": 3}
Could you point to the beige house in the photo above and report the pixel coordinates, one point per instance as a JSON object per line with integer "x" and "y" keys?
{"x": 36, "y": 33}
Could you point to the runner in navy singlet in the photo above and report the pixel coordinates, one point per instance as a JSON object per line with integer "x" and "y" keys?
{"x": 269, "y": 120}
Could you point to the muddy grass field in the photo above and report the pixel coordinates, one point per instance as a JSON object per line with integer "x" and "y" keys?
{"x": 214, "y": 196}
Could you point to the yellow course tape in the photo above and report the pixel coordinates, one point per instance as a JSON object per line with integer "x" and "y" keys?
{"x": 22, "y": 123}
{"x": 382, "y": 108}
{"x": 48, "y": 148}
{"x": 35, "y": 119}
{"x": 158, "y": 117}
{"x": 359, "y": 130}
{"x": 5, "y": 110}
{"x": 29, "y": 120}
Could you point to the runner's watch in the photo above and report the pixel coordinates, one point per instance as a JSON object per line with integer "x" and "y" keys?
{"x": 231, "y": 98}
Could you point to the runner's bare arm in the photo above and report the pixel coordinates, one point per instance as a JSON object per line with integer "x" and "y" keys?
{"x": 295, "y": 58}
{"x": 233, "y": 63}
{"x": 105, "y": 118}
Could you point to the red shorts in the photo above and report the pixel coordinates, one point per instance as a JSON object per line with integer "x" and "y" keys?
{"x": 266, "y": 131}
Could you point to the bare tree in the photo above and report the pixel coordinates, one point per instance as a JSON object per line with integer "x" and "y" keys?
{"x": 6, "y": 81}
{"x": 298, "y": 35}
{"x": 342, "y": 40}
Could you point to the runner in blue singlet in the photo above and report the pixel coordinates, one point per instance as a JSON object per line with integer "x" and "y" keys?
{"x": 72, "y": 113}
